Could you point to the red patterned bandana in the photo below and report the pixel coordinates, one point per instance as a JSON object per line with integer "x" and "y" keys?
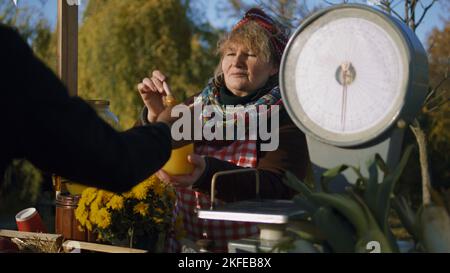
{"x": 278, "y": 37}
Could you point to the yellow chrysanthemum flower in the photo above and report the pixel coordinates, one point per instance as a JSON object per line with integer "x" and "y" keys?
{"x": 128, "y": 195}
{"x": 140, "y": 191}
{"x": 158, "y": 188}
{"x": 97, "y": 208}
{"x": 89, "y": 195}
{"x": 141, "y": 209}
{"x": 107, "y": 196}
{"x": 116, "y": 203}
{"x": 158, "y": 220}
{"x": 103, "y": 218}
{"x": 171, "y": 194}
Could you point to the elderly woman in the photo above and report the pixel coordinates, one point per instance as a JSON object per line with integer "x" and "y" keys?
{"x": 247, "y": 75}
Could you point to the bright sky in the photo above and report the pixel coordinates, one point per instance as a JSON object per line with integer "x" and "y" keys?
{"x": 435, "y": 17}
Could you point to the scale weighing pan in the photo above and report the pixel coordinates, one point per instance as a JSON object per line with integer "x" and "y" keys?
{"x": 263, "y": 211}
{"x": 256, "y": 211}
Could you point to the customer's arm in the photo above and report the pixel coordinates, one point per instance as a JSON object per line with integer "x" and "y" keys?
{"x": 64, "y": 135}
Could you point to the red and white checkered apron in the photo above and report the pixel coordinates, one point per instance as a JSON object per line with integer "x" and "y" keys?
{"x": 241, "y": 153}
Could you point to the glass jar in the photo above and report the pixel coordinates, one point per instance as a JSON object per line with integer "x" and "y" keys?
{"x": 65, "y": 222}
{"x": 103, "y": 110}
{"x": 178, "y": 163}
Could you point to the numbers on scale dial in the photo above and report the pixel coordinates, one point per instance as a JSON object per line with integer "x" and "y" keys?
{"x": 348, "y": 75}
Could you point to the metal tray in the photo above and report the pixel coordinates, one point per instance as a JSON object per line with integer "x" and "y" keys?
{"x": 256, "y": 211}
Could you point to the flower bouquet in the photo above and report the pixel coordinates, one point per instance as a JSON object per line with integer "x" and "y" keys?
{"x": 137, "y": 218}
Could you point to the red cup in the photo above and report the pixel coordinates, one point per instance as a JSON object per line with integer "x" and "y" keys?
{"x": 28, "y": 220}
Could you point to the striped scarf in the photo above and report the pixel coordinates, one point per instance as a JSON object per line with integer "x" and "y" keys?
{"x": 210, "y": 96}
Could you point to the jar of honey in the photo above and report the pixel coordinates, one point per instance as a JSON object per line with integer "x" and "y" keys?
{"x": 178, "y": 163}
{"x": 65, "y": 221}
{"x": 104, "y": 112}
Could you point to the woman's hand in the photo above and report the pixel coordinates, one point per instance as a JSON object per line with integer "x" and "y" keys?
{"x": 184, "y": 181}
{"x": 152, "y": 91}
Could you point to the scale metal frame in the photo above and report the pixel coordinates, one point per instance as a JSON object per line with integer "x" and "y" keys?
{"x": 272, "y": 216}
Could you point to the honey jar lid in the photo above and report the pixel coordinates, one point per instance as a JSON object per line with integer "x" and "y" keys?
{"x": 98, "y": 102}
{"x": 66, "y": 199}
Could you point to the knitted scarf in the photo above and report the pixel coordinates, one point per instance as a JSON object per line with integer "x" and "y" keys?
{"x": 210, "y": 96}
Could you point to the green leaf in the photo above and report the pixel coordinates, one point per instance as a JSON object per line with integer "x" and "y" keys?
{"x": 371, "y": 192}
{"x": 386, "y": 239}
{"x": 309, "y": 178}
{"x": 406, "y": 215}
{"x": 306, "y": 204}
{"x": 305, "y": 230}
{"x": 361, "y": 178}
{"x": 381, "y": 164}
{"x": 338, "y": 232}
{"x": 346, "y": 206}
{"x": 329, "y": 175}
{"x": 293, "y": 182}
{"x": 386, "y": 190}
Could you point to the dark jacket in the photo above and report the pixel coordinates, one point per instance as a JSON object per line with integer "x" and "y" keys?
{"x": 64, "y": 135}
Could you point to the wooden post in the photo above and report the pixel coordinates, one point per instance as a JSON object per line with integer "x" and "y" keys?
{"x": 68, "y": 45}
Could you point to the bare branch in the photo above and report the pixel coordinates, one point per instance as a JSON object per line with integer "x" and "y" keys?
{"x": 388, "y": 8}
{"x": 434, "y": 108}
{"x": 438, "y": 99}
{"x": 423, "y": 156}
{"x": 329, "y": 3}
{"x": 441, "y": 83}
{"x": 425, "y": 11}
{"x": 421, "y": 4}
{"x": 396, "y": 4}
{"x": 412, "y": 9}
{"x": 430, "y": 98}
{"x": 406, "y": 19}
{"x": 433, "y": 43}
{"x": 431, "y": 93}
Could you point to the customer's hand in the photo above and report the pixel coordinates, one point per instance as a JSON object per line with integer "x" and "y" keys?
{"x": 184, "y": 181}
{"x": 166, "y": 116}
{"x": 152, "y": 91}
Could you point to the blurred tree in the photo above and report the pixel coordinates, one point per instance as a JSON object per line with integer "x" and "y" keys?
{"x": 437, "y": 108}
{"x": 121, "y": 42}
{"x": 25, "y": 19}
{"x": 21, "y": 184}
{"x": 413, "y": 13}
{"x": 204, "y": 58}
{"x": 33, "y": 27}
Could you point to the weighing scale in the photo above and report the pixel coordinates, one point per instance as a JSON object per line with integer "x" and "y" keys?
{"x": 272, "y": 217}
{"x": 352, "y": 77}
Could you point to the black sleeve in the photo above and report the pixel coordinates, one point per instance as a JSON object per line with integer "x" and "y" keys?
{"x": 64, "y": 135}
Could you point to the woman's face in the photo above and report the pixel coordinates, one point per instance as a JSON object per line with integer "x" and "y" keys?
{"x": 245, "y": 72}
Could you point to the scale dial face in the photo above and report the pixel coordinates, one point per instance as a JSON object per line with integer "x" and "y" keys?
{"x": 346, "y": 75}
